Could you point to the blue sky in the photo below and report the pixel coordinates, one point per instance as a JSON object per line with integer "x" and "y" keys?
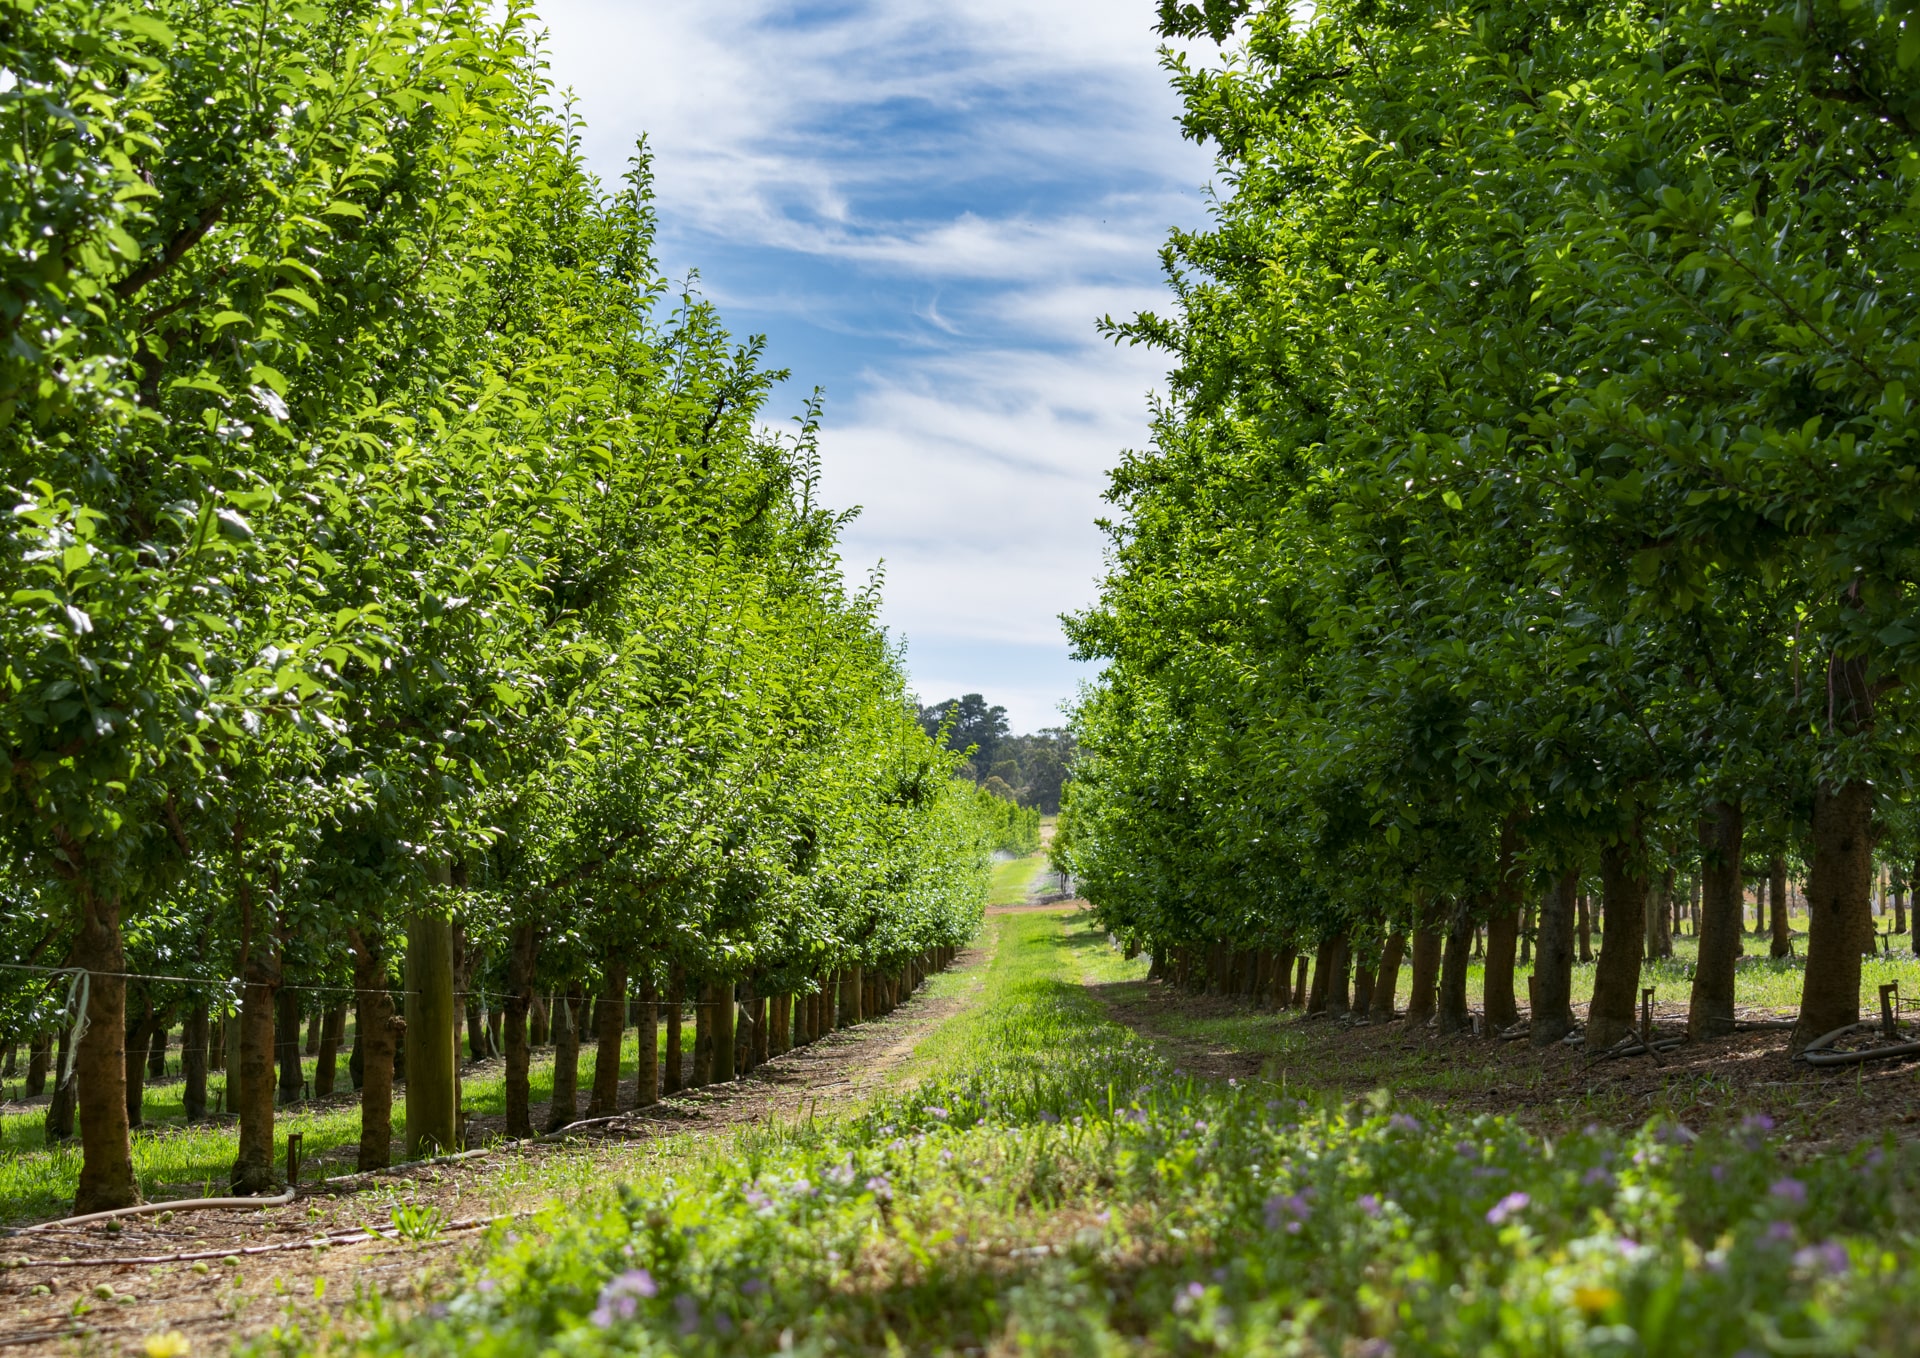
{"x": 924, "y": 206}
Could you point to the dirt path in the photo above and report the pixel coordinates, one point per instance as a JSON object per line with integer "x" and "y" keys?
{"x": 95, "y": 1289}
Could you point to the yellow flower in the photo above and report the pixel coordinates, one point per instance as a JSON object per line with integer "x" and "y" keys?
{"x": 172, "y": 1344}
{"x": 1595, "y": 1301}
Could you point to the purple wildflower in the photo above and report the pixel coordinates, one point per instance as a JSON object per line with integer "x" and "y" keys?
{"x": 1506, "y": 1207}
{"x": 689, "y": 1310}
{"x": 1598, "y": 1177}
{"x": 880, "y": 1188}
{"x": 620, "y": 1298}
{"x": 1402, "y": 1122}
{"x": 1780, "y": 1233}
{"x": 934, "y": 1110}
{"x": 1048, "y": 1117}
{"x": 1830, "y": 1257}
{"x": 1369, "y": 1204}
{"x": 1790, "y": 1191}
{"x": 1287, "y": 1212}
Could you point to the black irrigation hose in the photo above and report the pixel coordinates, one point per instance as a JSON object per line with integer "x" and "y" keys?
{"x": 1816, "y": 1052}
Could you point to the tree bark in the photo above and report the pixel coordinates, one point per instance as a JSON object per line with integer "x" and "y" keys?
{"x": 1552, "y": 1016}
{"x": 1454, "y": 1017}
{"x": 1584, "y": 923}
{"x": 139, "y": 1021}
{"x": 1498, "y": 1001}
{"x": 314, "y": 1020}
{"x": 1840, "y": 925}
{"x": 375, "y": 1026}
{"x": 1365, "y": 963}
{"x": 193, "y": 1060}
{"x": 286, "y": 1044}
{"x": 1322, "y": 978}
{"x": 1616, "y": 982}
{"x": 433, "y": 1064}
{"x": 251, "y": 1094}
{"x": 1339, "y": 986}
{"x": 333, "y": 1028}
{"x": 676, "y": 1002}
{"x": 38, "y": 1049}
{"x": 1710, "y": 1007}
{"x": 157, "y": 1028}
{"x": 780, "y": 1025}
{"x": 1387, "y": 979}
{"x": 106, "y": 1166}
{"x": 1300, "y": 986}
{"x": 1425, "y": 995}
{"x": 852, "y": 1011}
{"x": 1782, "y": 944}
{"x": 703, "y": 1021}
{"x": 521, "y": 958}
{"x": 646, "y": 1085}
{"x": 566, "y": 1057}
{"x": 610, "y": 1026}
{"x": 60, "y": 1108}
{"x": 722, "y": 998}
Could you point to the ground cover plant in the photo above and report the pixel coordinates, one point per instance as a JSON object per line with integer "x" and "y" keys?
{"x": 1048, "y": 1182}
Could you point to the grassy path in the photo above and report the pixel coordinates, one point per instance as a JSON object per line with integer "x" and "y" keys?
{"x": 1039, "y": 1179}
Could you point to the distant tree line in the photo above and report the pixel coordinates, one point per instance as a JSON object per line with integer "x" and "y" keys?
{"x": 1029, "y": 770}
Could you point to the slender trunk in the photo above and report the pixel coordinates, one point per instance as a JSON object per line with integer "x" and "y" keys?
{"x": 193, "y": 1060}
{"x": 1363, "y": 972}
{"x": 313, "y": 1033}
{"x": 566, "y": 1057}
{"x": 722, "y": 998}
{"x": 139, "y": 1021}
{"x": 1387, "y": 979}
{"x": 1782, "y": 945}
{"x": 1425, "y": 994}
{"x": 157, "y": 1047}
{"x": 610, "y": 1026}
{"x": 106, "y": 1167}
{"x": 251, "y": 1093}
{"x": 1300, "y": 983}
{"x": 1584, "y": 923}
{"x": 38, "y": 1050}
{"x": 1616, "y": 982}
{"x": 333, "y": 1028}
{"x": 1280, "y": 984}
{"x": 780, "y": 1025}
{"x": 1527, "y": 927}
{"x": 762, "y": 1039}
{"x": 1322, "y": 977}
{"x": 1552, "y": 1017}
{"x": 1339, "y": 987}
{"x": 676, "y": 1002}
{"x": 60, "y": 1108}
{"x": 852, "y": 1011}
{"x": 539, "y": 1032}
{"x": 1454, "y": 1016}
{"x": 522, "y": 955}
{"x": 1839, "y": 926}
{"x": 646, "y": 1084}
{"x": 1710, "y": 1008}
{"x": 433, "y": 1057}
{"x": 703, "y": 1021}
{"x": 1501, "y": 1007}
{"x": 286, "y": 1044}
{"x": 375, "y": 1027}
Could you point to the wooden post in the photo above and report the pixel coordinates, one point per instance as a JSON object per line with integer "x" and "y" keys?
{"x": 433, "y": 1090}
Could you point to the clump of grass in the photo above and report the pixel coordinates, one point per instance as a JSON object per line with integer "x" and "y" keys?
{"x": 1050, "y": 1184}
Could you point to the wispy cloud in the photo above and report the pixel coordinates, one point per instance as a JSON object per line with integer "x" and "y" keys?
{"x": 926, "y": 206}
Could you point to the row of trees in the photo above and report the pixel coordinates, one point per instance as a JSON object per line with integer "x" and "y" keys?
{"x": 1536, "y": 499}
{"x": 400, "y": 576}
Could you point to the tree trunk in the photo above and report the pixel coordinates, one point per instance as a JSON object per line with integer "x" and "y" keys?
{"x": 1300, "y": 982}
{"x": 1710, "y": 1007}
{"x": 1839, "y": 924}
{"x": 566, "y": 1057}
{"x": 38, "y": 1049}
{"x": 1426, "y": 967}
{"x": 106, "y": 1167}
{"x": 314, "y": 1020}
{"x": 1782, "y": 945}
{"x": 1584, "y": 924}
{"x": 1616, "y": 982}
{"x": 60, "y": 1108}
{"x": 780, "y": 1025}
{"x": 1454, "y": 1017}
{"x": 521, "y": 958}
{"x": 157, "y": 1047}
{"x": 646, "y": 1085}
{"x": 139, "y": 1020}
{"x": 703, "y": 1021}
{"x": 333, "y": 1028}
{"x": 852, "y": 1011}
{"x": 722, "y": 1000}
{"x": 1498, "y": 1001}
{"x": 1552, "y": 1007}
{"x": 193, "y": 1060}
{"x": 539, "y": 1030}
{"x": 610, "y": 1026}
{"x": 286, "y": 1044}
{"x": 1386, "y": 979}
{"x": 676, "y": 1002}
{"x": 1363, "y": 972}
{"x": 375, "y": 1027}
{"x": 250, "y": 1088}
{"x": 1322, "y": 977}
{"x": 762, "y": 1040}
{"x": 433, "y": 1057}
{"x": 1659, "y": 918}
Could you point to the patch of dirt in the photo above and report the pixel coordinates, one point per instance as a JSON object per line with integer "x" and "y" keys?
{"x": 1701, "y": 1083}
{"x": 133, "y": 1287}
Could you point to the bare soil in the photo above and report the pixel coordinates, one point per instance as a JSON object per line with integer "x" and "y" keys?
{"x": 1700, "y": 1084}
{"x": 111, "y": 1287}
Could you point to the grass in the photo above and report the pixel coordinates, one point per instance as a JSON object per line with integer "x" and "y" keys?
{"x": 1013, "y": 882}
{"x": 1046, "y": 1183}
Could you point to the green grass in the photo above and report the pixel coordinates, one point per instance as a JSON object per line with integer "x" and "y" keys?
{"x": 1013, "y": 881}
{"x": 1047, "y": 1184}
